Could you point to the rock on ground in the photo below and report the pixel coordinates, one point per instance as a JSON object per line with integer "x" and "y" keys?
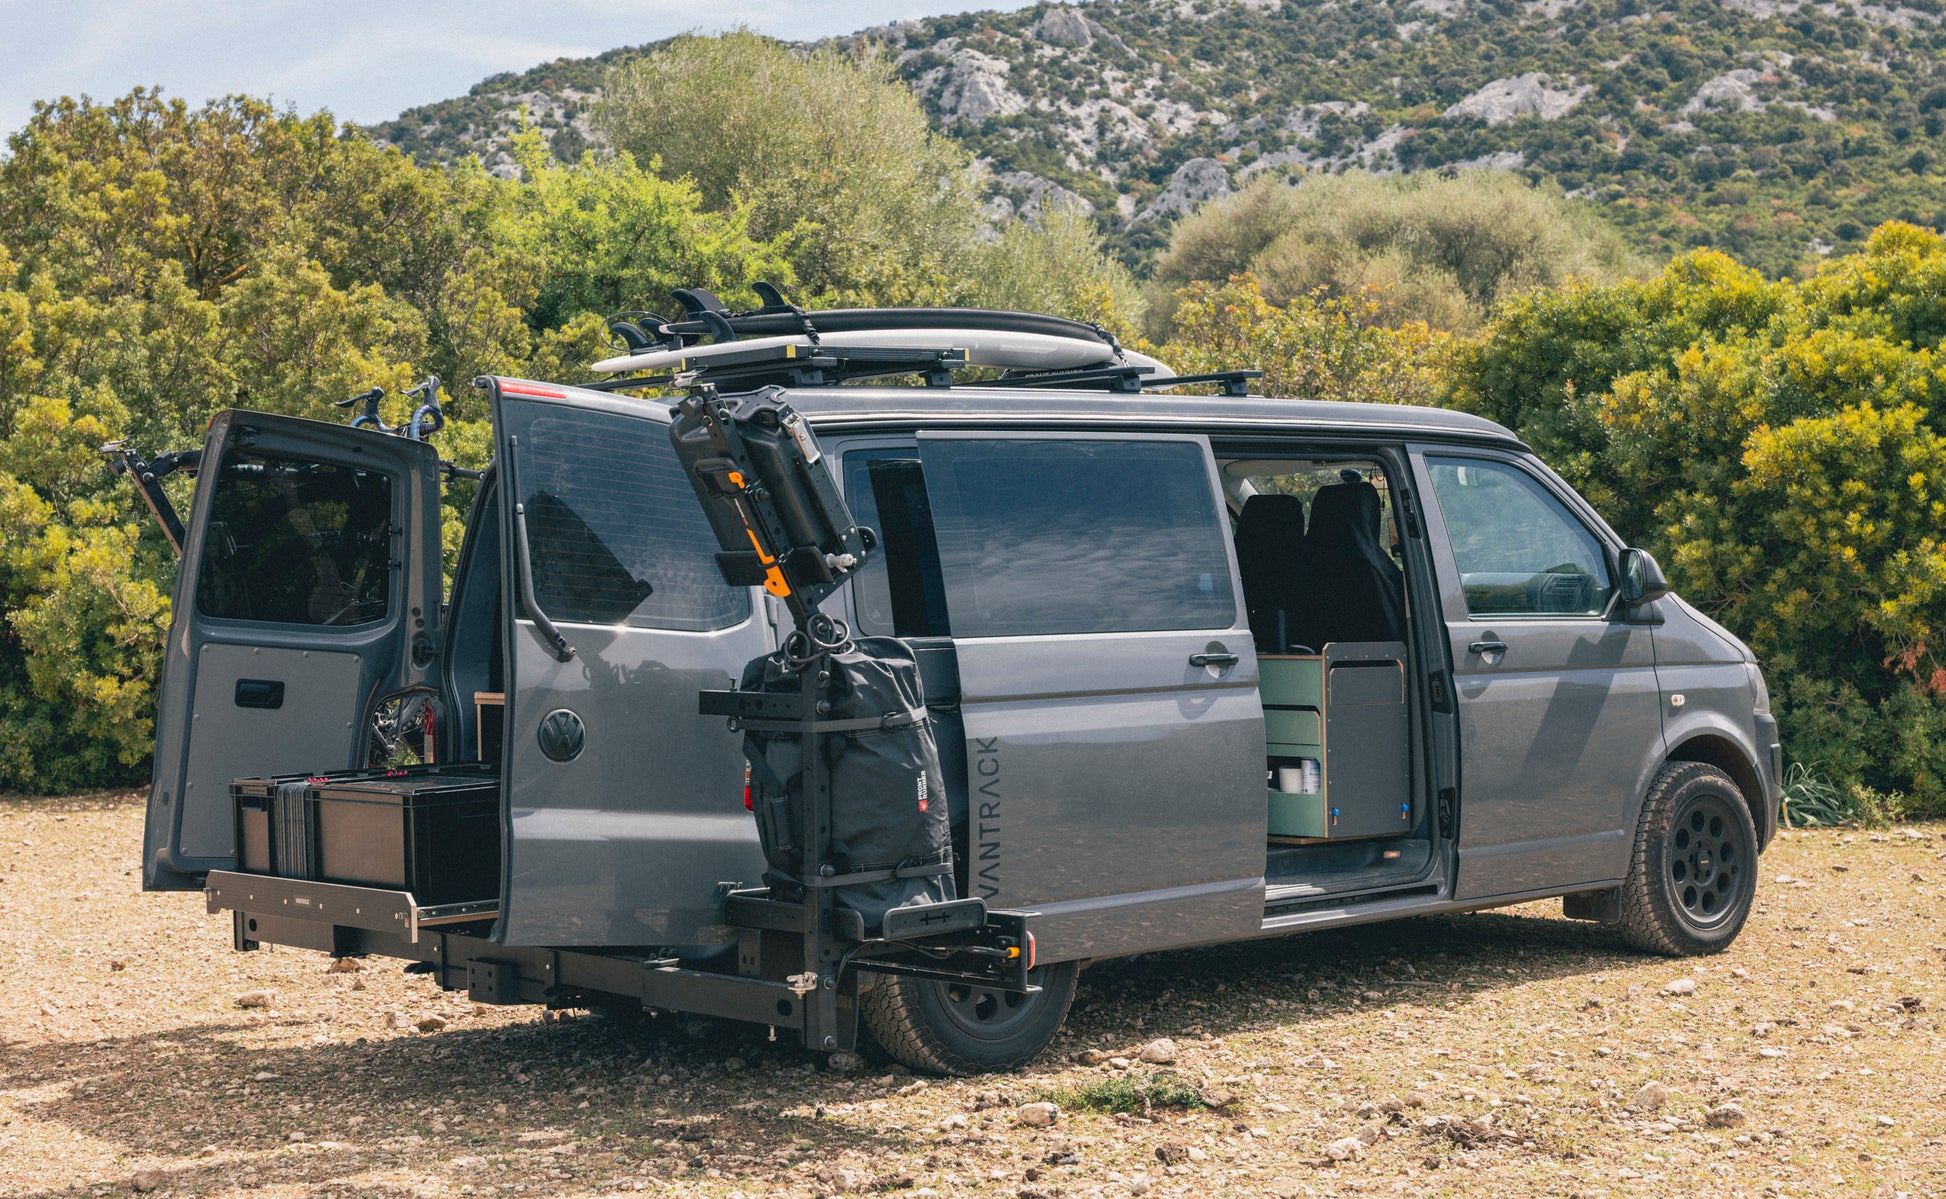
{"x": 1038, "y": 1115}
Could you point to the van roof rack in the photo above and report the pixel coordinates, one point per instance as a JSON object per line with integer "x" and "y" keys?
{"x": 705, "y": 316}
{"x": 782, "y": 344}
{"x": 836, "y": 366}
{"x": 796, "y": 366}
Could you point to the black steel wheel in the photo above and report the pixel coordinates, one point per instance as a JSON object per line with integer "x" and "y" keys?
{"x": 1694, "y": 871}
{"x": 966, "y": 1028}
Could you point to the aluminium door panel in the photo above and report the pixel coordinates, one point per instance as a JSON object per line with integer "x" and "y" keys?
{"x": 1557, "y": 694}
{"x": 310, "y": 570}
{"x": 624, "y": 805}
{"x": 1108, "y": 682}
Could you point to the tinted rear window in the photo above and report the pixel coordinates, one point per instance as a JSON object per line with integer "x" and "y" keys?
{"x": 616, "y": 533}
{"x": 1075, "y": 536}
{"x": 292, "y": 542}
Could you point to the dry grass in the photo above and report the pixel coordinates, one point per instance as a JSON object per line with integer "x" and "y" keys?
{"x": 1515, "y": 1044}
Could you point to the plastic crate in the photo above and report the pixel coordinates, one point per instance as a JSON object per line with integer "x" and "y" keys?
{"x": 435, "y": 833}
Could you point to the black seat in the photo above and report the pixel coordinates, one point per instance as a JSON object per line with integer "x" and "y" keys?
{"x": 1352, "y": 588}
{"x": 1270, "y": 546}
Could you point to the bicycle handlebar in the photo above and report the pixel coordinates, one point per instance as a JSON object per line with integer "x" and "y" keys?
{"x": 427, "y": 418}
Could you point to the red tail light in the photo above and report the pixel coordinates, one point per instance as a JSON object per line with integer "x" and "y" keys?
{"x": 749, "y": 800}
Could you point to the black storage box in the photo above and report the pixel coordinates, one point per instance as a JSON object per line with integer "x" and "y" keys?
{"x": 433, "y": 831}
{"x": 279, "y": 821}
{"x": 273, "y": 826}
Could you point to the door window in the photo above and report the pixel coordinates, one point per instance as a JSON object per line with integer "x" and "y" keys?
{"x": 297, "y": 542}
{"x": 1519, "y": 551}
{"x": 1075, "y": 536}
{"x": 899, "y": 591}
{"x": 616, "y": 534}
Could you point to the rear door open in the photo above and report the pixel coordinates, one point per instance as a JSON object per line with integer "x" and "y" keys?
{"x": 309, "y": 589}
{"x": 624, "y": 805}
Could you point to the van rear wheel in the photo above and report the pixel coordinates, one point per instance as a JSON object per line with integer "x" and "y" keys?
{"x": 1693, "y": 874}
{"x": 964, "y": 1028}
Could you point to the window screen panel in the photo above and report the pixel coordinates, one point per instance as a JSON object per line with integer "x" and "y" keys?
{"x": 617, "y": 536}
{"x": 297, "y": 542}
{"x": 1077, "y": 536}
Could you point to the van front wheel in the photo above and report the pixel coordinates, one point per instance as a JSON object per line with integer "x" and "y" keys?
{"x": 1693, "y": 874}
{"x": 962, "y": 1028}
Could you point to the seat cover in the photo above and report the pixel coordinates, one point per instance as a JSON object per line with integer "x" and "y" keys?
{"x": 1270, "y": 546}
{"x": 1352, "y": 587}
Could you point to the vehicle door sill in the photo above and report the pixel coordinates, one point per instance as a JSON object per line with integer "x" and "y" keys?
{"x": 1293, "y": 900}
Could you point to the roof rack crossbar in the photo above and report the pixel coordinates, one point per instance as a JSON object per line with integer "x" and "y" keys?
{"x": 1234, "y": 383}
{"x": 1113, "y": 378}
{"x": 1130, "y": 380}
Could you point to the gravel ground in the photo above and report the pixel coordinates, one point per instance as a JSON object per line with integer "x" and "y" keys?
{"x": 1505, "y": 1054}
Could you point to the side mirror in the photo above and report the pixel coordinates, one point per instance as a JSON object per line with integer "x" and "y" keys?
{"x": 1642, "y": 579}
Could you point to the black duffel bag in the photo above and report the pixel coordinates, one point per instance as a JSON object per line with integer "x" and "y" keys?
{"x": 891, "y": 838}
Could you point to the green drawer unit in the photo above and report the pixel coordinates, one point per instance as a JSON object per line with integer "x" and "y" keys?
{"x": 1294, "y": 815}
{"x": 1291, "y": 682}
{"x": 1295, "y": 732}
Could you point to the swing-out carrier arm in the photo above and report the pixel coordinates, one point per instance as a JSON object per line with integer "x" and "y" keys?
{"x": 783, "y": 524}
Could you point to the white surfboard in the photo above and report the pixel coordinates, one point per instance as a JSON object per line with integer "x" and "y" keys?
{"x": 983, "y": 347}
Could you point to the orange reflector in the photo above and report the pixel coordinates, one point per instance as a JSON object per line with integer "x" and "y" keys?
{"x": 508, "y": 387}
{"x": 1030, "y": 951}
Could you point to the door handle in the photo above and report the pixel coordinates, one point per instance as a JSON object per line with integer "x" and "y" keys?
{"x": 1487, "y": 647}
{"x": 260, "y": 693}
{"x": 1212, "y": 659}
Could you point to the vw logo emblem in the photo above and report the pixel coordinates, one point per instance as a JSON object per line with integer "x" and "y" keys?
{"x": 561, "y": 735}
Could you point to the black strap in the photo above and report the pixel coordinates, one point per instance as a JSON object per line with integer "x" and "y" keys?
{"x": 884, "y": 874}
{"x": 862, "y": 724}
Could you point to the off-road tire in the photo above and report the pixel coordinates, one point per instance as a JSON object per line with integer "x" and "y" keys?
{"x": 1693, "y": 874}
{"x": 948, "y": 1028}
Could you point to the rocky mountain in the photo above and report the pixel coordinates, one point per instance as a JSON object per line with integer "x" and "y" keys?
{"x": 1775, "y": 129}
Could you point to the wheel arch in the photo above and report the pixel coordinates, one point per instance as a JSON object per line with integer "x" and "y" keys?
{"x": 1718, "y": 749}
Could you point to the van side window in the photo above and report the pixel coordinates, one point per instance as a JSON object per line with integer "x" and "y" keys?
{"x": 1075, "y": 536}
{"x": 616, "y": 533}
{"x": 899, "y": 591}
{"x": 293, "y": 542}
{"x": 1518, "y": 548}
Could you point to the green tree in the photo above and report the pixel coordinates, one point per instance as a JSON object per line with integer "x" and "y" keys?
{"x": 1313, "y": 348}
{"x": 615, "y": 237}
{"x": 159, "y": 263}
{"x": 1444, "y": 250}
{"x": 1055, "y": 264}
{"x": 827, "y": 151}
{"x": 1778, "y": 446}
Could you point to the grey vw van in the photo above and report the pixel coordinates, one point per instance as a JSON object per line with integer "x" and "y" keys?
{"x": 1200, "y": 669}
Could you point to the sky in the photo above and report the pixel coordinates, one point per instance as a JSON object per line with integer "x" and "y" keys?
{"x": 364, "y": 60}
